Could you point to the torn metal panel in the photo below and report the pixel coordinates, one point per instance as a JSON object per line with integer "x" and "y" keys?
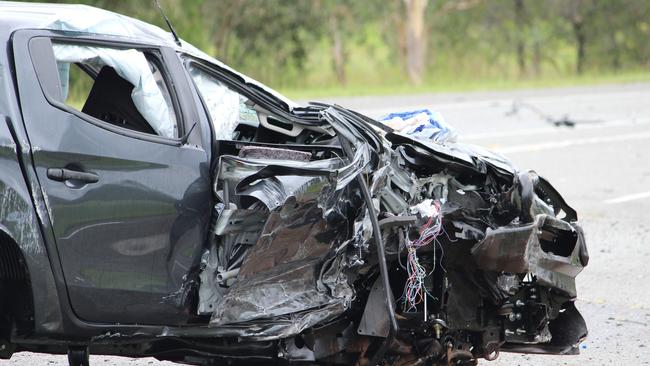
{"x": 237, "y": 229}
{"x": 246, "y": 171}
{"x": 548, "y": 248}
{"x": 237, "y": 220}
{"x": 281, "y": 273}
{"x": 273, "y": 328}
{"x": 497, "y": 242}
{"x": 295, "y": 264}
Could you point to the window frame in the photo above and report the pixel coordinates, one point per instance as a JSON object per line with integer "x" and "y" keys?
{"x": 210, "y": 69}
{"x": 188, "y": 62}
{"x": 276, "y": 107}
{"x": 153, "y": 54}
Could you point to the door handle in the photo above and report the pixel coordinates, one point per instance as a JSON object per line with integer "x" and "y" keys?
{"x": 63, "y": 174}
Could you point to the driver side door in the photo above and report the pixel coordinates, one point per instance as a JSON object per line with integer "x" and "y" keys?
{"x": 128, "y": 199}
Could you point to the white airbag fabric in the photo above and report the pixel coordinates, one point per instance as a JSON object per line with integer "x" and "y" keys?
{"x": 131, "y": 65}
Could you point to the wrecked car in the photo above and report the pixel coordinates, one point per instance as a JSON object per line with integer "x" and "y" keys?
{"x": 186, "y": 212}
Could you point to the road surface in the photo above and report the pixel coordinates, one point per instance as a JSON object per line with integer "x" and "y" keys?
{"x": 602, "y": 168}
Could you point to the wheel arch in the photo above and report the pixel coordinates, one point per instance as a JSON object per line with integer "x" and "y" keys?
{"x": 16, "y": 294}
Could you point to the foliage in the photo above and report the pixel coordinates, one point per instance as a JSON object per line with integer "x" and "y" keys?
{"x": 324, "y": 44}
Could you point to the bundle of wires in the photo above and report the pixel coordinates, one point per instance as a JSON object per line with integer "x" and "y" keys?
{"x": 414, "y": 290}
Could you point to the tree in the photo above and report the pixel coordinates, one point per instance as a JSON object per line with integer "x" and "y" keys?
{"x": 415, "y": 39}
{"x": 278, "y": 41}
{"x": 267, "y": 39}
{"x": 226, "y": 17}
{"x": 578, "y": 14}
{"x": 339, "y": 15}
{"x": 520, "y": 23}
{"x": 339, "y": 54}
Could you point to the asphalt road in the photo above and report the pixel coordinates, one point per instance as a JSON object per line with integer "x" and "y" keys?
{"x": 602, "y": 168}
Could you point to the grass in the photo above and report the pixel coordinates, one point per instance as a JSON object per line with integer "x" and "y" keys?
{"x": 464, "y": 85}
{"x": 395, "y": 85}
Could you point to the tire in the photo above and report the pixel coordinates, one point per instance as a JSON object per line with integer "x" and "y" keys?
{"x": 78, "y": 356}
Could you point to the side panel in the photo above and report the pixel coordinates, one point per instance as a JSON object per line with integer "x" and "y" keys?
{"x": 20, "y": 217}
{"x": 126, "y": 242}
{"x": 20, "y": 221}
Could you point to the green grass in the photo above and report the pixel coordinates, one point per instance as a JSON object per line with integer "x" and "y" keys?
{"x": 395, "y": 85}
{"x": 465, "y": 84}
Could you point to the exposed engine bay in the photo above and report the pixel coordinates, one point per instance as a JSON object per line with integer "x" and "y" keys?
{"x": 336, "y": 240}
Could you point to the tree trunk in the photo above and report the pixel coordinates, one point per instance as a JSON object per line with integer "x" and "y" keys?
{"x": 520, "y": 23}
{"x": 581, "y": 43}
{"x": 577, "y": 12}
{"x": 537, "y": 57}
{"x": 415, "y": 40}
{"x": 338, "y": 49}
{"x": 615, "y": 51}
{"x": 227, "y": 19}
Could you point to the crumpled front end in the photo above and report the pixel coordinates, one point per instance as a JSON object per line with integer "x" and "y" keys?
{"x": 374, "y": 247}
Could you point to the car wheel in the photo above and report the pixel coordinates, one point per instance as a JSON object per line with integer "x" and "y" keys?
{"x": 78, "y": 356}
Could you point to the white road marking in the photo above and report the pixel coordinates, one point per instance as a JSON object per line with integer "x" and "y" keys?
{"x": 496, "y": 135}
{"x": 627, "y": 198}
{"x": 573, "y": 142}
{"x": 537, "y": 131}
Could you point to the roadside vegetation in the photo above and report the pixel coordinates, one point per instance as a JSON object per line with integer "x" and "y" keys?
{"x": 312, "y": 48}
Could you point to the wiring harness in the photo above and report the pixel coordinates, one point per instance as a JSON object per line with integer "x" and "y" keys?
{"x": 414, "y": 289}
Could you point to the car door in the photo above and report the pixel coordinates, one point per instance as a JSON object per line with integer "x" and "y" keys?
{"x": 128, "y": 196}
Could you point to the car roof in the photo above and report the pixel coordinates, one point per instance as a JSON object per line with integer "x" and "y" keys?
{"x": 84, "y": 19}
{"x": 79, "y": 18}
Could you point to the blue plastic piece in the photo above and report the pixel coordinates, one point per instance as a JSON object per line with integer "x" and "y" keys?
{"x": 422, "y": 124}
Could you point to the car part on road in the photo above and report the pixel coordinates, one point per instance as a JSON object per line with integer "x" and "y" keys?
{"x": 565, "y": 120}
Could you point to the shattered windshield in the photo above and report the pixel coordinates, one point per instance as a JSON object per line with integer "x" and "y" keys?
{"x": 226, "y": 108}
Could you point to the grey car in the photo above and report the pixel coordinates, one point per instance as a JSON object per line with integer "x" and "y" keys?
{"x": 183, "y": 211}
